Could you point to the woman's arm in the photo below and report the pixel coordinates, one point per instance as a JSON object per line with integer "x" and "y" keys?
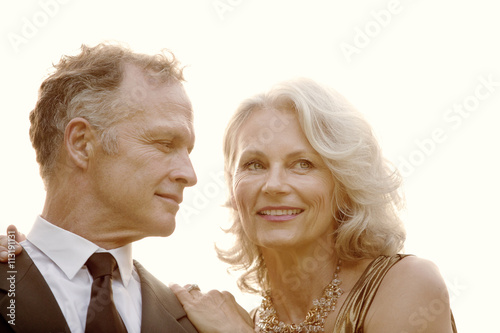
{"x": 412, "y": 298}
{"x": 213, "y": 312}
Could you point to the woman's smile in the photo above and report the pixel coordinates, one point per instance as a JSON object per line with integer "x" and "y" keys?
{"x": 281, "y": 213}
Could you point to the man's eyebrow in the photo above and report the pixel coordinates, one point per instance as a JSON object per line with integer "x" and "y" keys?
{"x": 172, "y": 132}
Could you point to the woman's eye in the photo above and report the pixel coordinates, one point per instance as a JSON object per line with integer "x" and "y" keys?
{"x": 304, "y": 165}
{"x": 254, "y": 166}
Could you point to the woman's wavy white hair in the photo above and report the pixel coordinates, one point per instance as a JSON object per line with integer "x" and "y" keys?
{"x": 366, "y": 198}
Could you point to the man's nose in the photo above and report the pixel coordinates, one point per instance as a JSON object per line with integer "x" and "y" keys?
{"x": 184, "y": 172}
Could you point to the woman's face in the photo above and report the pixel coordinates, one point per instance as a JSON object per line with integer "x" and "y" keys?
{"x": 281, "y": 187}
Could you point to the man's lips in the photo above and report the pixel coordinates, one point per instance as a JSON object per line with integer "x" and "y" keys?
{"x": 279, "y": 213}
{"x": 176, "y": 198}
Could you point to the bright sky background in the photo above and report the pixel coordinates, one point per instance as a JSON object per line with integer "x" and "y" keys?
{"x": 408, "y": 66}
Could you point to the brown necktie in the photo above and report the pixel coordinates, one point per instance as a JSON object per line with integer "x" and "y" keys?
{"x": 102, "y": 315}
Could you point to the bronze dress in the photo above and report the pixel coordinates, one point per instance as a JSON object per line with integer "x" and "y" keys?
{"x": 352, "y": 315}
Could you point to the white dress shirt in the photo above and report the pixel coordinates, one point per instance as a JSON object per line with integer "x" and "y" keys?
{"x": 60, "y": 256}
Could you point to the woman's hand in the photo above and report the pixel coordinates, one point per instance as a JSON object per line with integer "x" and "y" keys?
{"x": 12, "y": 234}
{"x": 213, "y": 312}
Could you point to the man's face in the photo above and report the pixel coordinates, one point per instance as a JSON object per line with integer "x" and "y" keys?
{"x": 139, "y": 189}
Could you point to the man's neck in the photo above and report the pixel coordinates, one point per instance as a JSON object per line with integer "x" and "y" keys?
{"x": 85, "y": 222}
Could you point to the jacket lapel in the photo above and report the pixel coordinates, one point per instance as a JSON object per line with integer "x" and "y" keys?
{"x": 36, "y": 309}
{"x": 160, "y": 308}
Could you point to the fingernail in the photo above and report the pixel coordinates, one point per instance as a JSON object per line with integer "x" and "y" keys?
{"x": 3, "y": 255}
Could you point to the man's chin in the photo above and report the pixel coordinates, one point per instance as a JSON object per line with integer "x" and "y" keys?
{"x": 166, "y": 229}
{"x": 167, "y": 233}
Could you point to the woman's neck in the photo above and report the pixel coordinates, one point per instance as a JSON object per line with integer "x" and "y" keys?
{"x": 298, "y": 276}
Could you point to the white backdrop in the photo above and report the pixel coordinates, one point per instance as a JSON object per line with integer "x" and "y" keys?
{"x": 425, "y": 73}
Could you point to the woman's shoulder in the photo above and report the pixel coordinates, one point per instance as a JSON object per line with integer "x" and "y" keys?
{"x": 391, "y": 275}
{"x": 414, "y": 278}
{"x": 413, "y": 269}
{"x": 413, "y": 294}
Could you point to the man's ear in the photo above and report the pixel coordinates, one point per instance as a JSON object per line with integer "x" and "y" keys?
{"x": 79, "y": 141}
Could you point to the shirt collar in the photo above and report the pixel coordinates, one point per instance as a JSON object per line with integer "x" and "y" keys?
{"x": 70, "y": 251}
{"x": 123, "y": 257}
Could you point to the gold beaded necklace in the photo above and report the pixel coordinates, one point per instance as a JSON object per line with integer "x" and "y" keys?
{"x": 315, "y": 318}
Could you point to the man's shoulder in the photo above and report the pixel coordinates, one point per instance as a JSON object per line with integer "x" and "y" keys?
{"x": 160, "y": 306}
{"x": 32, "y": 302}
{"x": 149, "y": 283}
{"x": 16, "y": 267}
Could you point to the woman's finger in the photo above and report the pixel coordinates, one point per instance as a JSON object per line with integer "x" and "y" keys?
{"x": 183, "y": 295}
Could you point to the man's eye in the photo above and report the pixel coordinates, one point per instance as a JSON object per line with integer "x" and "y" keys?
{"x": 163, "y": 145}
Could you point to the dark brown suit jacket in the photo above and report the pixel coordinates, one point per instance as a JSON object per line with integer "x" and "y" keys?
{"x": 36, "y": 309}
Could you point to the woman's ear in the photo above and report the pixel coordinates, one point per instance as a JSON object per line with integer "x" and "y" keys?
{"x": 79, "y": 141}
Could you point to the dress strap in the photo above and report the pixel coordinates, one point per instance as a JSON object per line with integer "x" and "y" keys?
{"x": 352, "y": 315}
